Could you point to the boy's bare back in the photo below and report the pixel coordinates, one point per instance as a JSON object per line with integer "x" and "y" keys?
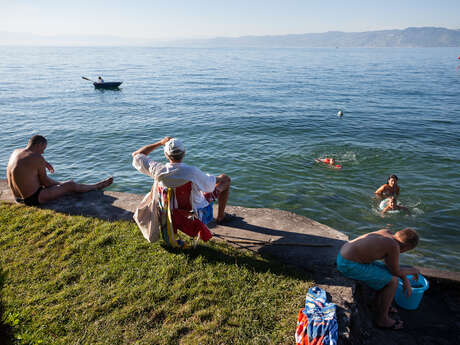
{"x": 367, "y": 248}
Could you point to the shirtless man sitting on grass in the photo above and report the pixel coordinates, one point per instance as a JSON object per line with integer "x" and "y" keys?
{"x": 27, "y": 179}
{"x": 357, "y": 260}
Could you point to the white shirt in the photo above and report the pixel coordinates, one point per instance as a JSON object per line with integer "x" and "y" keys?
{"x": 176, "y": 174}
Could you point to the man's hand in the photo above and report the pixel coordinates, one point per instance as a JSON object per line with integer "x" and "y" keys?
{"x": 49, "y": 167}
{"x": 165, "y": 140}
{"x": 407, "y": 288}
{"x": 149, "y": 148}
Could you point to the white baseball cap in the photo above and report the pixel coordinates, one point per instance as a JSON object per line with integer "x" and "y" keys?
{"x": 174, "y": 147}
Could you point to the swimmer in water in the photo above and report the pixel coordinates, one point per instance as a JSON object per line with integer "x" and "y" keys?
{"x": 393, "y": 206}
{"x": 390, "y": 188}
{"x": 330, "y": 162}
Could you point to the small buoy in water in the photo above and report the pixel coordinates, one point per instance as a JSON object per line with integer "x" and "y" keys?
{"x": 340, "y": 113}
{"x": 459, "y": 57}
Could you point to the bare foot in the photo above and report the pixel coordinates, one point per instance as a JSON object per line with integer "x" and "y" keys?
{"x": 227, "y": 218}
{"x": 103, "y": 184}
{"x": 389, "y": 323}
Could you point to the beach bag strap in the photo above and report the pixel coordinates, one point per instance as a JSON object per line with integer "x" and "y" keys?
{"x": 168, "y": 232}
{"x": 146, "y": 215}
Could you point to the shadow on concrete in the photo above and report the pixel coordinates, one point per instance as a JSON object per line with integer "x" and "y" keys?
{"x": 290, "y": 246}
{"x": 435, "y": 321}
{"x": 91, "y": 204}
{"x": 240, "y": 223}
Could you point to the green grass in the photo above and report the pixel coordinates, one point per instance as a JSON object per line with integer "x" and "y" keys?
{"x": 77, "y": 280}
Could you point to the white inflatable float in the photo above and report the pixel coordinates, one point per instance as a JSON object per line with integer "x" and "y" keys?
{"x": 384, "y": 203}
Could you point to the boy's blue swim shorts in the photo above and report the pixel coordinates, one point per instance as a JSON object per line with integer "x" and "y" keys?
{"x": 375, "y": 274}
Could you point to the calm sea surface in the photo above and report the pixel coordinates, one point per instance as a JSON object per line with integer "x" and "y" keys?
{"x": 261, "y": 116}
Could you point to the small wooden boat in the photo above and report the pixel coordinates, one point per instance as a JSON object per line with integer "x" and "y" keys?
{"x": 108, "y": 85}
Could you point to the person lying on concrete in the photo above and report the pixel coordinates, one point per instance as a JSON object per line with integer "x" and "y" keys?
{"x": 357, "y": 259}
{"x": 392, "y": 205}
{"x": 27, "y": 178}
{"x": 205, "y": 187}
{"x": 390, "y": 188}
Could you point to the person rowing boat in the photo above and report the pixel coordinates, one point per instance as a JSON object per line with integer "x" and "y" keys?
{"x": 102, "y": 84}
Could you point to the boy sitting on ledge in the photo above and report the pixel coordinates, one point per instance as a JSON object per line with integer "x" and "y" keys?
{"x": 357, "y": 260}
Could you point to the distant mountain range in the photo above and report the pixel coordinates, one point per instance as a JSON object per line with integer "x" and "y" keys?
{"x": 410, "y": 37}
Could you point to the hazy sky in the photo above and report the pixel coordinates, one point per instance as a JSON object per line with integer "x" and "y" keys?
{"x": 171, "y": 19}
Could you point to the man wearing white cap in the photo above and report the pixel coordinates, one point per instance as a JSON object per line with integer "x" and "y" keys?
{"x": 205, "y": 187}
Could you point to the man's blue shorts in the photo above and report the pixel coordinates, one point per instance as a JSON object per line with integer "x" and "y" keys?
{"x": 375, "y": 274}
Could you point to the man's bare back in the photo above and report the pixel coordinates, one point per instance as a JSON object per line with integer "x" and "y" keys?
{"x": 27, "y": 178}
{"x": 23, "y": 172}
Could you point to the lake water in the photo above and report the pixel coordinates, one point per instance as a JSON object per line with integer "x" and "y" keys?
{"x": 261, "y": 116}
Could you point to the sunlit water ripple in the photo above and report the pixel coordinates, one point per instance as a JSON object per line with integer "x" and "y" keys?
{"x": 261, "y": 116}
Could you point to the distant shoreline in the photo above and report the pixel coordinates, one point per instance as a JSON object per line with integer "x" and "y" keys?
{"x": 413, "y": 37}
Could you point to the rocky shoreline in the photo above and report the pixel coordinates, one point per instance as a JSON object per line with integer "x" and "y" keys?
{"x": 312, "y": 247}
